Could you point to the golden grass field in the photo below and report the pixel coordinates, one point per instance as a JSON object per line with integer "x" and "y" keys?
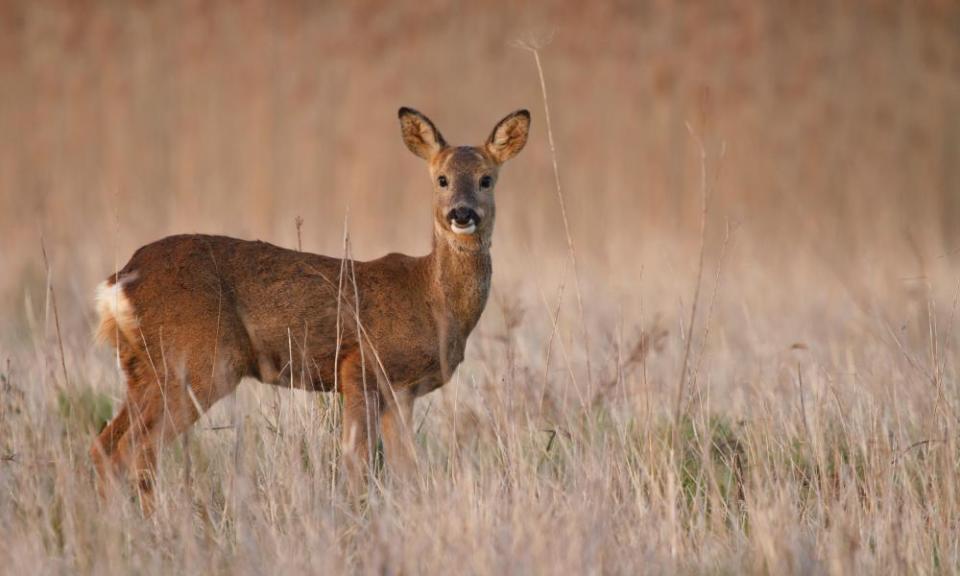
{"x": 768, "y": 385}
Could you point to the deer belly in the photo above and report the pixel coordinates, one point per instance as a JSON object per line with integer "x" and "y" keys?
{"x": 305, "y": 370}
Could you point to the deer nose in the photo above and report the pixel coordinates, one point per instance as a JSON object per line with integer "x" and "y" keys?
{"x": 463, "y": 216}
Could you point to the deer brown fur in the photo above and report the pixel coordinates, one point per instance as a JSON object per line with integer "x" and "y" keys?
{"x": 192, "y": 315}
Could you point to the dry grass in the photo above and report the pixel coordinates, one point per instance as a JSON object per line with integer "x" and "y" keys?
{"x": 815, "y": 425}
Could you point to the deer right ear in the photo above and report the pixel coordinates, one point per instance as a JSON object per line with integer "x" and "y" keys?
{"x": 509, "y": 136}
{"x": 419, "y": 134}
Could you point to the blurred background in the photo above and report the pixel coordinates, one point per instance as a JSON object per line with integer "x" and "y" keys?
{"x": 831, "y": 132}
{"x": 796, "y": 413}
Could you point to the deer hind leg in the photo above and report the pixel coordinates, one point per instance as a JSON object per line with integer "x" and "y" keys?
{"x": 159, "y": 411}
{"x": 361, "y": 420}
{"x": 105, "y": 445}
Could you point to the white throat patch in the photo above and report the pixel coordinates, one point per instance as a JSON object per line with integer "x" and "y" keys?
{"x": 463, "y": 230}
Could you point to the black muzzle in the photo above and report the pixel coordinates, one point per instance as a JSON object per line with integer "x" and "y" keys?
{"x": 463, "y": 216}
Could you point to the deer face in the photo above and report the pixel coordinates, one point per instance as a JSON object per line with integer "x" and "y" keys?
{"x": 464, "y": 176}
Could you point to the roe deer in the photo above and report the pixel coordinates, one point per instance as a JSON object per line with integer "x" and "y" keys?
{"x": 191, "y": 315}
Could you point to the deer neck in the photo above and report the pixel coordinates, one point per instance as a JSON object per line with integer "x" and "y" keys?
{"x": 460, "y": 280}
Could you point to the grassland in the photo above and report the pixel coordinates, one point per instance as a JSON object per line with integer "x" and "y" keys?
{"x": 795, "y": 414}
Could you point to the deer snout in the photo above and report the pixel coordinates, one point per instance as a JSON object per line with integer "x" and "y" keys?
{"x": 463, "y": 220}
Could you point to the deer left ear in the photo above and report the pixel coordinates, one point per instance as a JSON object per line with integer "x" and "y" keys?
{"x": 509, "y": 136}
{"x": 419, "y": 134}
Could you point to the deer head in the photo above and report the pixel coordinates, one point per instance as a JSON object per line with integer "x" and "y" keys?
{"x": 464, "y": 177}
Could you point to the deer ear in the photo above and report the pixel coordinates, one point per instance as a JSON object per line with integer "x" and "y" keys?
{"x": 419, "y": 134}
{"x": 509, "y": 136}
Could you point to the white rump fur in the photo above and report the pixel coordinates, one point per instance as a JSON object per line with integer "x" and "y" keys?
{"x": 116, "y": 311}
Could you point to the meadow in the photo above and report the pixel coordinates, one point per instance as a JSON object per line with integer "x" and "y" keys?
{"x": 723, "y": 330}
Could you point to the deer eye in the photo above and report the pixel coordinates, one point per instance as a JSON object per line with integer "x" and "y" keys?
{"x": 486, "y": 182}
{"x": 442, "y": 181}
